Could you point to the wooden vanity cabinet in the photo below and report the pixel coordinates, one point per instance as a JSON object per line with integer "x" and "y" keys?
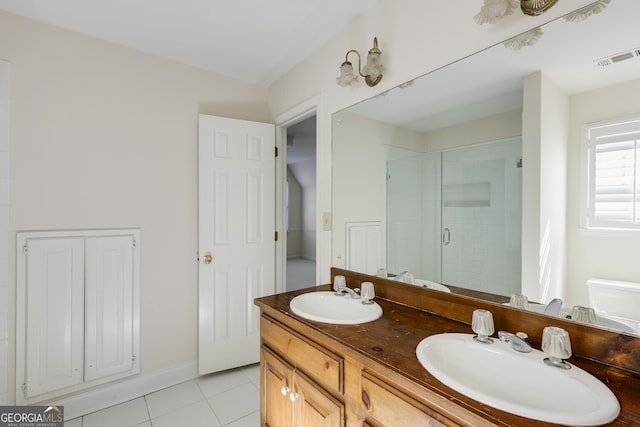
{"x": 309, "y": 380}
{"x": 385, "y": 405}
{"x": 301, "y": 382}
{"x": 368, "y": 376}
{"x": 292, "y": 399}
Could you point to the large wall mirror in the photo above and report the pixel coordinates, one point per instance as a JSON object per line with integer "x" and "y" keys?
{"x": 456, "y": 177}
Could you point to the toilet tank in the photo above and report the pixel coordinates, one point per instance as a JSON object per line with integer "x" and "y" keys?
{"x": 615, "y": 298}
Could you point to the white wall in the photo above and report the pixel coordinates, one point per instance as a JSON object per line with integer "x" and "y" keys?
{"x": 362, "y": 148}
{"x": 493, "y": 128}
{"x": 105, "y": 137}
{"x": 545, "y": 135}
{"x": 606, "y": 255}
{"x": 5, "y": 306}
{"x": 416, "y": 36}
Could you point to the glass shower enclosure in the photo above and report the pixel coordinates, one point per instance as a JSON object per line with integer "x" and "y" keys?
{"x": 455, "y": 217}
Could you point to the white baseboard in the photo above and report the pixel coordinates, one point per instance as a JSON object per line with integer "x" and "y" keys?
{"x": 108, "y": 395}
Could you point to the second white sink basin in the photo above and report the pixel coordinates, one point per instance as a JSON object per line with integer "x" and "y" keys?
{"x": 325, "y": 306}
{"x": 519, "y": 383}
{"x": 603, "y": 322}
{"x": 431, "y": 285}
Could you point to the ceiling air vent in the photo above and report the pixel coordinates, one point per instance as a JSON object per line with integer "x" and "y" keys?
{"x": 622, "y": 56}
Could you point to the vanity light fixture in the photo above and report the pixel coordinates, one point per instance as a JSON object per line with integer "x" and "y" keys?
{"x": 585, "y": 12}
{"x": 536, "y": 7}
{"x": 372, "y": 70}
{"x": 494, "y": 10}
{"x": 524, "y": 40}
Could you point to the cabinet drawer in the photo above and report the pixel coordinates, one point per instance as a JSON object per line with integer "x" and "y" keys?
{"x": 322, "y": 366}
{"x": 387, "y": 406}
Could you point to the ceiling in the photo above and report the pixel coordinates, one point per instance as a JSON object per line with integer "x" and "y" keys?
{"x": 256, "y": 41}
{"x": 491, "y": 81}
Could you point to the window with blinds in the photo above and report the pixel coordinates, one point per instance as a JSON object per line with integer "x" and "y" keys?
{"x": 613, "y": 200}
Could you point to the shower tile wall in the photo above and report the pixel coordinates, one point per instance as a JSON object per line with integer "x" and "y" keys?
{"x": 4, "y": 229}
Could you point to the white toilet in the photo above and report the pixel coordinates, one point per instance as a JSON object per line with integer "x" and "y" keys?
{"x": 615, "y": 299}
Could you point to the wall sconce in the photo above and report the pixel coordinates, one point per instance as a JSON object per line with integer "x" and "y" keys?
{"x": 372, "y": 71}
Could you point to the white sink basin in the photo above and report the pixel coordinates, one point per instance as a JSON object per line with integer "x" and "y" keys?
{"x": 603, "y": 322}
{"x": 327, "y": 307}
{"x": 431, "y": 285}
{"x": 519, "y": 383}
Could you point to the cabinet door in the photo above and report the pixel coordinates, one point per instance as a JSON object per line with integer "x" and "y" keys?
{"x": 387, "y": 406}
{"x": 53, "y": 317}
{"x": 277, "y": 384}
{"x": 313, "y": 406}
{"x": 109, "y": 299}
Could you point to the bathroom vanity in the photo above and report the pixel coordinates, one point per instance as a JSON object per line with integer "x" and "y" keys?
{"x": 321, "y": 374}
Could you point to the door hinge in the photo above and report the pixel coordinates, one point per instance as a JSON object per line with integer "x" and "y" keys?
{"x": 276, "y": 151}
{"x": 134, "y": 243}
{"x": 519, "y": 163}
{"x": 133, "y": 359}
{"x": 25, "y": 250}
{"x": 24, "y": 389}
{"x": 276, "y": 236}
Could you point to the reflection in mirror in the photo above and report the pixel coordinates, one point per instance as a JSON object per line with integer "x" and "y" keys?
{"x": 465, "y": 227}
{"x": 454, "y": 176}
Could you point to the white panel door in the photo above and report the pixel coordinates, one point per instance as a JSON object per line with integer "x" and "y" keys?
{"x": 55, "y": 300}
{"x": 236, "y": 228}
{"x": 109, "y": 313}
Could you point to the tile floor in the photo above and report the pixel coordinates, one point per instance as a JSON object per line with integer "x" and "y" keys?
{"x": 230, "y": 399}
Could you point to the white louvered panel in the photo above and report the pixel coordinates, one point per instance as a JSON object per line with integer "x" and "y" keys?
{"x": 616, "y": 191}
{"x": 109, "y": 306}
{"x": 54, "y": 314}
{"x": 364, "y": 246}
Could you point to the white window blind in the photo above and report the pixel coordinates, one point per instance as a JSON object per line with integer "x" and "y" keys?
{"x": 614, "y": 175}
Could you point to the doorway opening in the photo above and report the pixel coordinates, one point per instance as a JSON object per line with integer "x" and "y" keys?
{"x": 300, "y": 205}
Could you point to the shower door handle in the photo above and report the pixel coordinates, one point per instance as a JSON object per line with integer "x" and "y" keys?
{"x": 446, "y": 236}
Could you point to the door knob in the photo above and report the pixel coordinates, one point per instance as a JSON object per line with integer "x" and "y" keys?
{"x": 207, "y": 258}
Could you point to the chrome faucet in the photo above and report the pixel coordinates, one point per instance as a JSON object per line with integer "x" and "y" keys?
{"x": 553, "y": 308}
{"x": 345, "y": 290}
{"x": 400, "y": 276}
{"x": 517, "y": 341}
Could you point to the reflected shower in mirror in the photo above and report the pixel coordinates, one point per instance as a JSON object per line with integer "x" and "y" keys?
{"x": 426, "y": 198}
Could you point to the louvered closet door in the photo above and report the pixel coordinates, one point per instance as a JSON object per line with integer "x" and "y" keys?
{"x": 109, "y": 306}
{"x": 55, "y": 314}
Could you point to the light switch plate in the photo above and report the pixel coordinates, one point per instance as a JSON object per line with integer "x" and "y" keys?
{"x": 326, "y": 221}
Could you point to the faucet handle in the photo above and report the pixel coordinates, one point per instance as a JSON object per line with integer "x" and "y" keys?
{"x": 482, "y": 325}
{"x": 339, "y": 283}
{"x": 556, "y": 344}
{"x": 367, "y": 292}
